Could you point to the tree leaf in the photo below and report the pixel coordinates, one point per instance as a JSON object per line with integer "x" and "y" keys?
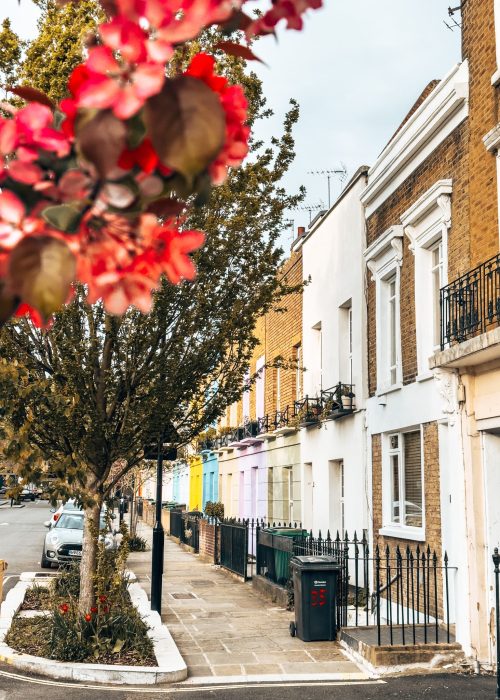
{"x": 239, "y": 50}
{"x": 102, "y": 138}
{"x": 32, "y": 95}
{"x": 8, "y": 303}
{"x": 41, "y": 270}
{"x": 166, "y": 206}
{"x": 63, "y": 217}
{"x": 187, "y": 125}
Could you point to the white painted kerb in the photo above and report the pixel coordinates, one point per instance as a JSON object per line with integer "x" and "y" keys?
{"x": 171, "y": 667}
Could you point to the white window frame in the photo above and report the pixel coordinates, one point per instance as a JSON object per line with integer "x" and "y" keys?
{"x": 426, "y": 224}
{"x": 299, "y": 372}
{"x": 390, "y": 528}
{"x": 260, "y": 388}
{"x": 384, "y": 259}
{"x": 246, "y": 397}
{"x": 278, "y": 388}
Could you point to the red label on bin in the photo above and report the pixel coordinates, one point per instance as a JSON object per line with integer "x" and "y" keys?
{"x": 318, "y": 597}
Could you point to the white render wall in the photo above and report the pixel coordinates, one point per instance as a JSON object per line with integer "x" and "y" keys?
{"x": 333, "y": 260}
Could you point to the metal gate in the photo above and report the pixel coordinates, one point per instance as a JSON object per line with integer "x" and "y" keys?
{"x": 234, "y": 547}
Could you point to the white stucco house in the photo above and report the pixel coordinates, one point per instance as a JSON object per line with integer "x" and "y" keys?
{"x": 335, "y": 492}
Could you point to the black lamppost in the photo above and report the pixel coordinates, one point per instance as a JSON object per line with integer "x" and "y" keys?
{"x": 164, "y": 452}
{"x": 158, "y": 536}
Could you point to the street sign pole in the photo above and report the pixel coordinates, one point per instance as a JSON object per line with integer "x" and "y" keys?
{"x": 158, "y": 537}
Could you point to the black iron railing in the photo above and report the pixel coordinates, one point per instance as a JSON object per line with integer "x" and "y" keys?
{"x": 338, "y": 401}
{"x": 281, "y": 419}
{"x": 264, "y": 425}
{"x": 403, "y": 594}
{"x": 308, "y": 411}
{"x": 250, "y": 429}
{"x": 471, "y": 304}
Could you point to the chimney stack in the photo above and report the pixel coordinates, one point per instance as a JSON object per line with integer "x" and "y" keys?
{"x": 300, "y": 231}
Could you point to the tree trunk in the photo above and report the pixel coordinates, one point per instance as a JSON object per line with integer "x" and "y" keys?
{"x": 89, "y": 555}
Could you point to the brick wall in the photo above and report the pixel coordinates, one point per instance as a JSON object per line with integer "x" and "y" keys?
{"x": 449, "y": 160}
{"x": 278, "y": 332}
{"x": 207, "y": 547}
{"x": 432, "y": 497}
{"x": 283, "y": 331}
{"x": 431, "y": 492}
{"x": 478, "y": 46}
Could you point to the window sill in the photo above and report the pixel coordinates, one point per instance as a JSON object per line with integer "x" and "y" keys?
{"x": 424, "y": 376}
{"x": 389, "y": 390}
{"x": 403, "y": 533}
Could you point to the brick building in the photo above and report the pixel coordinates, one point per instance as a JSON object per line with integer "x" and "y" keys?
{"x": 434, "y": 408}
{"x": 259, "y": 459}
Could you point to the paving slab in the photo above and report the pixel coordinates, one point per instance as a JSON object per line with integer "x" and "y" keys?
{"x": 223, "y": 628}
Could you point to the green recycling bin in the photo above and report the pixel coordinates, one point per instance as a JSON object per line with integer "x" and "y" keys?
{"x": 283, "y": 549}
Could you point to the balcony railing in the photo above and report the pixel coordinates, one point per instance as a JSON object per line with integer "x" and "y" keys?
{"x": 308, "y": 411}
{"x": 338, "y": 401}
{"x": 471, "y": 304}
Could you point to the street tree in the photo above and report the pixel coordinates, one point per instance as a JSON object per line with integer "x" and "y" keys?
{"x": 94, "y": 389}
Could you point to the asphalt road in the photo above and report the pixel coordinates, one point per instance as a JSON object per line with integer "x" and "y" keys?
{"x": 21, "y": 538}
{"x": 442, "y": 687}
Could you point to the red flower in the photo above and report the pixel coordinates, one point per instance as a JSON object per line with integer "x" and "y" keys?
{"x": 289, "y": 10}
{"x": 144, "y": 156}
{"x": 88, "y": 617}
{"x": 93, "y": 610}
{"x": 235, "y": 106}
{"x": 102, "y": 598}
{"x": 105, "y": 609}
{"x": 64, "y": 608}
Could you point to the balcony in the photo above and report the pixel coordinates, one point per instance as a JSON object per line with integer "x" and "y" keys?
{"x": 338, "y": 401}
{"x": 308, "y": 412}
{"x": 250, "y": 433}
{"x": 470, "y": 305}
{"x": 282, "y": 422}
{"x": 236, "y": 438}
{"x": 265, "y": 428}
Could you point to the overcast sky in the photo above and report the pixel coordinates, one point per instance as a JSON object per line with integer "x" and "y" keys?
{"x": 356, "y": 69}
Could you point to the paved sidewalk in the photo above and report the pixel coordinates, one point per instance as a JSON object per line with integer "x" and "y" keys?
{"x": 223, "y": 629}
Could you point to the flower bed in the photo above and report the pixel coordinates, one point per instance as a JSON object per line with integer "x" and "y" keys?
{"x": 110, "y": 633}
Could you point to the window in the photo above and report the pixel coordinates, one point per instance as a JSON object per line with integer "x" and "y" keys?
{"x": 298, "y": 372}
{"x": 259, "y": 387}
{"x": 393, "y": 330}
{"x": 345, "y": 342}
{"x": 289, "y": 473}
{"x": 246, "y": 397}
{"x": 426, "y": 224}
{"x": 384, "y": 258}
{"x": 406, "y": 492}
{"x": 317, "y": 364}
{"x": 278, "y": 388}
{"x": 437, "y": 273}
{"x": 342, "y": 510}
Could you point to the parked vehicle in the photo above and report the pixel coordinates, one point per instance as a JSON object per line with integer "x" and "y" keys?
{"x": 28, "y": 494}
{"x": 69, "y": 505}
{"x": 63, "y": 542}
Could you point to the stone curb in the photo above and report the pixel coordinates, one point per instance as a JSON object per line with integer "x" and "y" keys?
{"x": 171, "y": 666}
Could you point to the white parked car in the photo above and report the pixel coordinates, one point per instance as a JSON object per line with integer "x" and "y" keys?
{"x": 63, "y": 542}
{"x": 56, "y": 513}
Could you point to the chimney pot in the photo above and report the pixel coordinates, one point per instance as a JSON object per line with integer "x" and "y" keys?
{"x": 300, "y": 231}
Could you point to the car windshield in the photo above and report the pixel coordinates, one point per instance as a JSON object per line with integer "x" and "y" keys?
{"x": 72, "y": 521}
{"x": 71, "y": 505}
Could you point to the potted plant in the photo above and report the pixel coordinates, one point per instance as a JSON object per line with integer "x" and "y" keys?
{"x": 346, "y": 397}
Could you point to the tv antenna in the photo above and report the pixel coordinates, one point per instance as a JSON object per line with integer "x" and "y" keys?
{"x": 310, "y": 208}
{"x": 341, "y": 173}
{"x": 453, "y": 22}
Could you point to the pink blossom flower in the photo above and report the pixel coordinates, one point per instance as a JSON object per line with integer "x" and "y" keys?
{"x": 111, "y": 85}
{"x": 289, "y": 10}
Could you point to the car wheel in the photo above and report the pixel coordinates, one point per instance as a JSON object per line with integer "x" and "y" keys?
{"x": 45, "y": 563}
{"x": 293, "y": 629}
